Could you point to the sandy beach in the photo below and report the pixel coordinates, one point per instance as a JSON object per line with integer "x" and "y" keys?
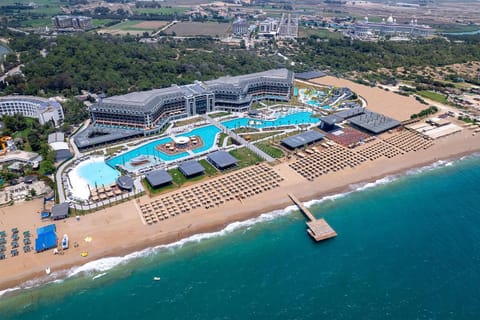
{"x": 119, "y": 230}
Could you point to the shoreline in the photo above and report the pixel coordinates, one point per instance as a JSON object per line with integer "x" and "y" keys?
{"x": 214, "y": 223}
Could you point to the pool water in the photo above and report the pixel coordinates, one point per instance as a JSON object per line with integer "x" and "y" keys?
{"x": 97, "y": 173}
{"x": 291, "y": 119}
{"x": 207, "y": 133}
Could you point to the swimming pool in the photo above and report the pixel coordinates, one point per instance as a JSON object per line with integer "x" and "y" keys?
{"x": 90, "y": 174}
{"x": 97, "y": 172}
{"x": 291, "y": 119}
{"x": 208, "y": 135}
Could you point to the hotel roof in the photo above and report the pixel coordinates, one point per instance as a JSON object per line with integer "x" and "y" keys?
{"x": 222, "y": 159}
{"x": 345, "y": 114}
{"x": 158, "y": 178}
{"x": 191, "y": 168}
{"x": 302, "y": 139}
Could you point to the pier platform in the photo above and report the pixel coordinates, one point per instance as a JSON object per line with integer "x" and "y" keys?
{"x": 318, "y": 229}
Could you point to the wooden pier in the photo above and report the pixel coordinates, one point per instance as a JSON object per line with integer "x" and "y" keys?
{"x": 318, "y": 229}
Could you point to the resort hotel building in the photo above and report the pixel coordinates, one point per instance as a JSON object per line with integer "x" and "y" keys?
{"x": 33, "y": 107}
{"x": 366, "y": 29}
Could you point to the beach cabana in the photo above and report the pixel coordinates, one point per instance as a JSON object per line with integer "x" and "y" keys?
{"x": 60, "y": 211}
{"x": 158, "y": 178}
{"x": 46, "y": 238}
{"x": 191, "y": 168}
{"x": 222, "y": 160}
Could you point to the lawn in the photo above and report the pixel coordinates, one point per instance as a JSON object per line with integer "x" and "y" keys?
{"x": 438, "y": 97}
{"x": 188, "y": 121}
{"x": 269, "y": 149}
{"x": 245, "y": 157}
{"x": 161, "y": 11}
{"x": 209, "y": 169}
{"x": 259, "y": 136}
{"x": 219, "y": 114}
{"x": 221, "y": 138}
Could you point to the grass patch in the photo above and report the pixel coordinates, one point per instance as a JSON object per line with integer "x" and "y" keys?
{"x": 262, "y": 135}
{"x": 269, "y": 149}
{"x": 245, "y": 130}
{"x": 112, "y": 150}
{"x": 187, "y": 121}
{"x": 129, "y": 26}
{"x": 161, "y": 11}
{"x": 101, "y": 22}
{"x": 322, "y": 33}
{"x": 209, "y": 169}
{"x": 219, "y": 114}
{"x": 221, "y": 138}
{"x": 245, "y": 157}
{"x": 438, "y": 97}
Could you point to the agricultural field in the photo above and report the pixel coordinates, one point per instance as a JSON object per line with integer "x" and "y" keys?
{"x": 160, "y": 11}
{"x": 213, "y": 29}
{"x": 134, "y": 27}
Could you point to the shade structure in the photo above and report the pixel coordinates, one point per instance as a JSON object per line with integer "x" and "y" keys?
{"x": 191, "y": 168}
{"x": 222, "y": 159}
{"x": 158, "y": 178}
{"x": 302, "y": 139}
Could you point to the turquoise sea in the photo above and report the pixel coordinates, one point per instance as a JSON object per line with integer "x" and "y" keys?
{"x": 408, "y": 247}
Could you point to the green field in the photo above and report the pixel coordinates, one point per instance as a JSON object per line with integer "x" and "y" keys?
{"x": 128, "y": 26}
{"x": 438, "y": 97}
{"x": 245, "y": 157}
{"x": 161, "y": 11}
{"x": 269, "y": 149}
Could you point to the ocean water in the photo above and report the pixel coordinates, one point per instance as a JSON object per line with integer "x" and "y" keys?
{"x": 408, "y": 247}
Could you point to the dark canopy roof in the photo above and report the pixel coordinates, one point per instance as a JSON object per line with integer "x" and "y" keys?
{"x": 330, "y": 120}
{"x": 62, "y": 154}
{"x": 60, "y": 211}
{"x": 374, "y": 122}
{"x": 125, "y": 182}
{"x": 310, "y": 75}
{"x": 222, "y": 159}
{"x": 191, "y": 168}
{"x": 345, "y": 114}
{"x": 301, "y": 139}
{"x": 158, "y": 178}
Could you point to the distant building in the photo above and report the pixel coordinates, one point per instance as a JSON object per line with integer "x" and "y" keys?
{"x": 240, "y": 27}
{"x": 390, "y": 27}
{"x": 44, "y": 110}
{"x": 72, "y": 22}
{"x": 268, "y": 27}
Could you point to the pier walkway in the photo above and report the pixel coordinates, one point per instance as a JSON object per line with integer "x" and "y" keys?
{"x": 318, "y": 229}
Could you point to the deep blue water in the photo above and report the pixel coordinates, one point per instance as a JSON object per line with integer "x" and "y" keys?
{"x": 407, "y": 249}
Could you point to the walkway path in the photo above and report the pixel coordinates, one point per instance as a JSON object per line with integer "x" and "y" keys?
{"x": 238, "y": 138}
{"x": 76, "y": 154}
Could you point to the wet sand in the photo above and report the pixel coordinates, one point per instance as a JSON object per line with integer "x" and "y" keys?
{"x": 119, "y": 230}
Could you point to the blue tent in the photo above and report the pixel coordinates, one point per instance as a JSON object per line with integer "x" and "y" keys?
{"x": 46, "y": 238}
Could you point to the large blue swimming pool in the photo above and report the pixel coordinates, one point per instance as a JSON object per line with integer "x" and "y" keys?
{"x": 291, "y": 119}
{"x": 97, "y": 173}
{"x": 207, "y": 134}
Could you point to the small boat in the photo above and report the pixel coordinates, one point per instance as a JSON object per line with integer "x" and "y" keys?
{"x": 47, "y": 270}
{"x": 156, "y": 278}
{"x": 65, "y": 242}
{"x": 84, "y": 254}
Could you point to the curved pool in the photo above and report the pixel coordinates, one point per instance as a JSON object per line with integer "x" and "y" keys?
{"x": 208, "y": 135}
{"x": 303, "y": 117}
